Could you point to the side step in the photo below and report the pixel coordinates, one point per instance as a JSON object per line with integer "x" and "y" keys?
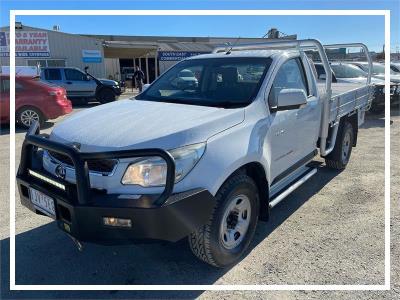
{"x": 298, "y": 182}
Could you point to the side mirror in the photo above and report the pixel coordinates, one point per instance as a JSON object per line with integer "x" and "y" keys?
{"x": 291, "y": 99}
{"x": 86, "y": 68}
{"x": 322, "y": 76}
{"x": 145, "y": 87}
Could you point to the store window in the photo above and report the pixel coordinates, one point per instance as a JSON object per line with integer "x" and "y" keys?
{"x": 47, "y": 62}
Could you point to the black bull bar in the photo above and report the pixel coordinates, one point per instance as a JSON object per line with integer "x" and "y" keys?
{"x": 34, "y": 140}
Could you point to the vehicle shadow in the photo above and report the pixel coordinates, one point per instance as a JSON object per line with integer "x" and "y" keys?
{"x": 5, "y": 129}
{"x": 88, "y": 104}
{"x": 378, "y": 120}
{"x": 45, "y": 255}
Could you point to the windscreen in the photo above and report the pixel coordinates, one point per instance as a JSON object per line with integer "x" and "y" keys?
{"x": 348, "y": 71}
{"x": 221, "y": 82}
{"x": 379, "y": 69}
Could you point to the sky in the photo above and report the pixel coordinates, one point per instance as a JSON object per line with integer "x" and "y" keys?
{"x": 328, "y": 29}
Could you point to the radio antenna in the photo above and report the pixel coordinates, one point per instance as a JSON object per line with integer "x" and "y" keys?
{"x": 233, "y": 45}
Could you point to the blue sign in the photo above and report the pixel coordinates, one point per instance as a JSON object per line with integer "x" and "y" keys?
{"x": 91, "y": 56}
{"x": 177, "y": 55}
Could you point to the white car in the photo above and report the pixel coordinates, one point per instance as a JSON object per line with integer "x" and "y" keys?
{"x": 378, "y": 71}
{"x": 347, "y": 72}
{"x": 395, "y": 66}
{"x": 185, "y": 79}
{"x": 206, "y": 162}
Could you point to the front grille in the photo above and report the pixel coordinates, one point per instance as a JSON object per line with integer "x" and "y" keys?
{"x": 104, "y": 166}
{"x": 395, "y": 89}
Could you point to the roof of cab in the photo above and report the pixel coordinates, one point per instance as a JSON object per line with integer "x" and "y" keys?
{"x": 243, "y": 53}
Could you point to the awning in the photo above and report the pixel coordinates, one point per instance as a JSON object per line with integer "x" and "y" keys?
{"x": 121, "y": 49}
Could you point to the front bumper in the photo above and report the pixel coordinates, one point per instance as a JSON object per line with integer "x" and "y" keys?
{"x": 379, "y": 95}
{"x": 117, "y": 90}
{"x": 80, "y": 209}
{"x": 59, "y": 109}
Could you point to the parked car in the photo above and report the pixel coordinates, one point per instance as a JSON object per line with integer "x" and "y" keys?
{"x": 82, "y": 86}
{"x": 185, "y": 80}
{"x": 348, "y": 72}
{"x": 395, "y": 66}
{"x": 378, "y": 71}
{"x": 204, "y": 163}
{"x": 21, "y": 71}
{"x": 34, "y": 101}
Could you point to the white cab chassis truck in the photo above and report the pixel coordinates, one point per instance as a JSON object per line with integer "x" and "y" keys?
{"x": 204, "y": 158}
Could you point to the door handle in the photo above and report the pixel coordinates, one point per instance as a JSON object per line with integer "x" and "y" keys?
{"x": 68, "y": 82}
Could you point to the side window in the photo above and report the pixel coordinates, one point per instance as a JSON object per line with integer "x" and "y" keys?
{"x": 52, "y": 74}
{"x": 75, "y": 75}
{"x": 320, "y": 70}
{"x": 5, "y": 85}
{"x": 19, "y": 86}
{"x": 290, "y": 76}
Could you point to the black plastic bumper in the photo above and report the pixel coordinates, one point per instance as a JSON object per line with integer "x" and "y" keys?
{"x": 117, "y": 90}
{"x": 379, "y": 95}
{"x": 80, "y": 209}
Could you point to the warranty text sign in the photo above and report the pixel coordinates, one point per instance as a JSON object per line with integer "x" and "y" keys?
{"x": 27, "y": 44}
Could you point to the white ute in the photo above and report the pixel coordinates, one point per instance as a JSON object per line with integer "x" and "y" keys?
{"x": 205, "y": 158}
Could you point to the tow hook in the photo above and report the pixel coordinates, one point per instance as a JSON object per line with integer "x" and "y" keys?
{"x": 77, "y": 243}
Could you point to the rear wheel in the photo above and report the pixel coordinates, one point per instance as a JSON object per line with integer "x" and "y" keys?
{"x": 27, "y": 115}
{"x": 340, "y": 156}
{"x": 230, "y": 229}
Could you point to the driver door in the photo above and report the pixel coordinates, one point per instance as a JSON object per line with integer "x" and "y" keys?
{"x": 78, "y": 84}
{"x": 292, "y": 136}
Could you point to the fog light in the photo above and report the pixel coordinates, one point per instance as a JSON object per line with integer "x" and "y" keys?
{"x": 117, "y": 222}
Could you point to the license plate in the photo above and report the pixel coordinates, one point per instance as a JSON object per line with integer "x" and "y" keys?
{"x": 42, "y": 202}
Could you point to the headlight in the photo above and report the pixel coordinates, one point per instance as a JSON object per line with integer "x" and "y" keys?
{"x": 152, "y": 171}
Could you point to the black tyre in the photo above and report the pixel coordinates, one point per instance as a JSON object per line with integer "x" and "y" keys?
{"x": 106, "y": 95}
{"x": 27, "y": 114}
{"x": 230, "y": 229}
{"x": 340, "y": 156}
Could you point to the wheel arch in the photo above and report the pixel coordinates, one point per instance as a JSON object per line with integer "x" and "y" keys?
{"x": 353, "y": 120}
{"x": 256, "y": 171}
{"x": 102, "y": 88}
{"x": 20, "y": 108}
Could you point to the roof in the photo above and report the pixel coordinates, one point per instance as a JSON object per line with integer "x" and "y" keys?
{"x": 244, "y": 53}
{"x": 186, "y": 46}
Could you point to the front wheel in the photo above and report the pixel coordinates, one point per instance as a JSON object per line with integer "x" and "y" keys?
{"x": 340, "y": 155}
{"x": 230, "y": 229}
{"x": 106, "y": 95}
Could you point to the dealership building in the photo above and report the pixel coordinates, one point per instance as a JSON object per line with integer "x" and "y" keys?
{"x": 108, "y": 56}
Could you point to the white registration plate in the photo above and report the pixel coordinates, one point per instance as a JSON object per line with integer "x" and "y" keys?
{"x": 42, "y": 202}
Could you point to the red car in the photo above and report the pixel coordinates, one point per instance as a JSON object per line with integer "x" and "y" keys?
{"x": 34, "y": 100}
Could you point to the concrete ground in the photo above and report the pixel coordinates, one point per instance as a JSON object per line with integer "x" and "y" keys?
{"x": 329, "y": 231}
